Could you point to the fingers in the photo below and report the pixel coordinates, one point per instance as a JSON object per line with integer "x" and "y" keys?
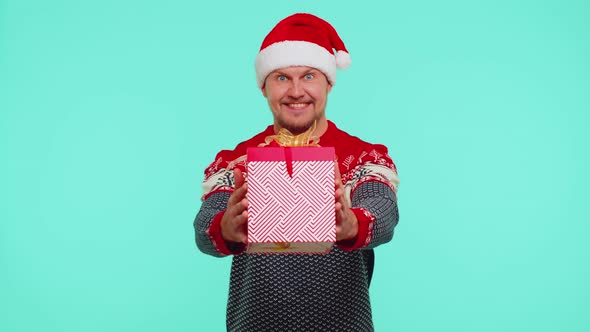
{"x": 243, "y": 239}
{"x": 242, "y": 227}
{"x": 336, "y": 170}
{"x": 338, "y": 183}
{"x": 238, "y": 178}
{"x": 346, "y": 224}
{"x": 340, "y": 204}
{"x": 338, "y": 194}
{"x": 234, "y": 222}
{"x": 240, "y": 188}
{"x": 238, "y": 195}
{"x": 241, "y": 218}
{"x": 341, "y": 213}
{"x": 338, "y": 180}
{"x": 237, "y": 208}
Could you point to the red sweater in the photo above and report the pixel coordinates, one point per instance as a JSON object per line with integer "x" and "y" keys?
{"x": 305, "y": 292}
{"x": 352, "y": 154}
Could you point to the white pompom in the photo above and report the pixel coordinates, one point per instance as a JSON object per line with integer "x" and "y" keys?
{"x": 343, "y": 59}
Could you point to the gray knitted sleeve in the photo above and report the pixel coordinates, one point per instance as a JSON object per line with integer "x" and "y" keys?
{"x": 211, "y": 206}
{"x": 377, "y": 198}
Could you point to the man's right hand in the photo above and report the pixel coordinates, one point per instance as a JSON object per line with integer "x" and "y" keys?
{"x": 234, "y": 223}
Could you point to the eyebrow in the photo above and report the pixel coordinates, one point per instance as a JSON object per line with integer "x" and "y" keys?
{"x": 309, "y": 71}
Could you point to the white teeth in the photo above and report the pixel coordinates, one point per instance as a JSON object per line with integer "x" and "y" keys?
{"x": 297, "y": 105}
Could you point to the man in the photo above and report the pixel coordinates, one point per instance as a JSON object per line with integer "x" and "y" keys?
{"x": 296, "y": 69}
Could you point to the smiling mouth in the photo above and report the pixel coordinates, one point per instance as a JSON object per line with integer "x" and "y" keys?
{"x": 297, "y": 106}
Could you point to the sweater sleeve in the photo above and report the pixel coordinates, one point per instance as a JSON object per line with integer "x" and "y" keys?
{"x": 371, "y": 185}
{"x": 217, "y": 188}
{"x": 375, "y": 205}
{"x": 207, "y": 227}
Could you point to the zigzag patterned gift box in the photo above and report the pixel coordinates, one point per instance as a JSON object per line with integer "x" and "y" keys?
{"x": 291, "y": 200}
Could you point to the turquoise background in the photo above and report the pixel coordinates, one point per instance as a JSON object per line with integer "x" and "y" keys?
{"x": 111, "y": 110}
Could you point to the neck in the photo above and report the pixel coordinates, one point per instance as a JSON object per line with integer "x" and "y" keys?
{"x": 320, "y": 128}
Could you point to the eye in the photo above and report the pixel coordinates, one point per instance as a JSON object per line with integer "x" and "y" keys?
{"x": 282, "y": 78}
{"x": 309, "y": 76}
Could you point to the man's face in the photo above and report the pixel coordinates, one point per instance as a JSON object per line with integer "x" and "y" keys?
{"x": 297, "y": 97}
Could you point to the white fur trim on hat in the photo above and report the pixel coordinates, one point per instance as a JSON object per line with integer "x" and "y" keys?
{"x": 343, "y": 60}
{"x": 295, "y": 53}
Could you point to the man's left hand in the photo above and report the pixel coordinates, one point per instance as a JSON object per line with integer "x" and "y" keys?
{"x": 346, "y": 222}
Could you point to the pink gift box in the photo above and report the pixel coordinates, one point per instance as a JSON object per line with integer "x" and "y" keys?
{"x": 291, "y": 200}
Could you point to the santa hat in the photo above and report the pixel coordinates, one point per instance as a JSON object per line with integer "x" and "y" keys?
{"x": 302, "y": 40}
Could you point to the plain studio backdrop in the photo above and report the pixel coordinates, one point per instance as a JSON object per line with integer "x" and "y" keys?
{"x": 111, "y": 110}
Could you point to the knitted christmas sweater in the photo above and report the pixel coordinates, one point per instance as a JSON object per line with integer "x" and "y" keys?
{"x": 282, "y": 292}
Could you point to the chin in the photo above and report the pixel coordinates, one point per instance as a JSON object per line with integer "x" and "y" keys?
{"x": 297, "y": 128}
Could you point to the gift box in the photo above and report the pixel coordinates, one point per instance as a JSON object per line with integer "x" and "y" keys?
{"x": 291, "y": 200}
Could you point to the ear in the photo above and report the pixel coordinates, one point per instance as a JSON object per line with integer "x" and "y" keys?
{"x": 329, "y": 87}
{"x": 263, "y": 90}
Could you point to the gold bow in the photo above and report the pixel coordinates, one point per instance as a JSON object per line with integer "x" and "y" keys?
{"x": 285, "y": 138}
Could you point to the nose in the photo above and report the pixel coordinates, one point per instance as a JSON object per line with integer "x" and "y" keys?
{"x": 296, "y": 89}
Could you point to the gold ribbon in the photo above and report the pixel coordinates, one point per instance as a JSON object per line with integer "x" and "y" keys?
{"x": 285, "y": 138}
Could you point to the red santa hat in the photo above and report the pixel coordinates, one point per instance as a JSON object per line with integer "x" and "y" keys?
{"x": 302, "y": 40}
